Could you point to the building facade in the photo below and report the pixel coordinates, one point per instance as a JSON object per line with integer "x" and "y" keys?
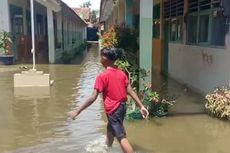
{"x": 187, "y": 40}
{"x": 196, "y": 43}
{"x": 57, "y": 27}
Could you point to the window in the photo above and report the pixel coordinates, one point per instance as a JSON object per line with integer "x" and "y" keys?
{"x": 173, "y": 11}
{"x": 16, "y": 17}
{"x": 156, "y": 29}
{"x": 180, "y": 29}
{"x": 57, "y": 45}
{"x": 156, "y": 21}
{"x": 218, "y": 28}
{"x": 176, "y": 29}
{"x": 204, "y": 26}
{"x": 192, "y": 29}
{"x": 173, "y": 30}
{"x": 40, "y": 29}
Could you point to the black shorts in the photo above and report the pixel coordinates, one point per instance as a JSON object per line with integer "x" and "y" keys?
{"x": 115, "y": 122}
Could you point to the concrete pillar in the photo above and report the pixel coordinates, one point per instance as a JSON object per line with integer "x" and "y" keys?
{"x": 4, "y": 16}
{"x": 184, "y": 24}
{"x": 51, "y": 35}
{"x": 146, "y": 15}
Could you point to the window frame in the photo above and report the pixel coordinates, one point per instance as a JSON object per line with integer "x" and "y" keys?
{"x": 210, "y": 12}
{"x": 174, "y": 12}
{"x": 156, "y": 35}
{"x": 177, "y": 40}
{"x": 156, "y": 19}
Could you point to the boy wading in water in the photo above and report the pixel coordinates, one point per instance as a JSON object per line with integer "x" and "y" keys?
{"x": 114, "y": 86}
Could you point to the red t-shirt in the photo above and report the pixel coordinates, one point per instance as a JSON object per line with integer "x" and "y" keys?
{"x": 112, "y": 83}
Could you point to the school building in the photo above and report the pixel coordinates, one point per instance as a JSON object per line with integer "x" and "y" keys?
{"x": 187, "y": 40}
{"x": 57, "y": 28}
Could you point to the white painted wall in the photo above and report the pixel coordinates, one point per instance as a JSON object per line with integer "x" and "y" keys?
{"x": 200, "y": 68}
{"x": 4, "y": 16}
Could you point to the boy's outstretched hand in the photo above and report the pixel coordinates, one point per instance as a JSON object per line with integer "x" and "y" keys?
{"x": 73, "y": 114}
{"x": 144, "y": 112}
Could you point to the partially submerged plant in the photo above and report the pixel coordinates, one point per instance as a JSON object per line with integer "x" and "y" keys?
{"x": 5, "y": 42}
{"x": 158, "y": 106}
{"x": 66, "y": 57}
{"x": 218, "y": 102}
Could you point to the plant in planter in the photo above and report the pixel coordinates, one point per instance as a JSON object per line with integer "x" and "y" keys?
{"x": 218, "y": 102}
{"x": 6, "y": 56}
{"x": 109, "y": 39}
{"x": 66, "y": 57}
{"x": 157, "y": 106}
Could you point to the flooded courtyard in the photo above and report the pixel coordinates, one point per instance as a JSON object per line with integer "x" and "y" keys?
{"x": 35, "y": 120}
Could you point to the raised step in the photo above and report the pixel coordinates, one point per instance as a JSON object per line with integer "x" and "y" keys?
{"x": 31, "y": 79}
{"x": 32, "y": 72}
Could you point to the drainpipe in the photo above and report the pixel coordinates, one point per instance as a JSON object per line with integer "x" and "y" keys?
{"x": 32, "y": 32}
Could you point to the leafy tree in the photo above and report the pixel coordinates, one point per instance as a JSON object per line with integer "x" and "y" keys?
{"x": 86, "y": 5}
{"x": 94, "y": 16}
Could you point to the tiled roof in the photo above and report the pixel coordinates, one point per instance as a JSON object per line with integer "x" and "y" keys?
{"x": 83, "y": 12}
{"x": 66, "y": 8}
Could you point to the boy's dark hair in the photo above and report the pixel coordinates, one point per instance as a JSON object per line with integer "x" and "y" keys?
{"x": 112, "y": 53}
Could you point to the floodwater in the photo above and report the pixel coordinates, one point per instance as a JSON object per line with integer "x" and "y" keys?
{"x": 34, "y": 120}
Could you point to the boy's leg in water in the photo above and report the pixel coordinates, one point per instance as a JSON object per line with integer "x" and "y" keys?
{"x": 109, "y": 139}
{"x": 125, "y": 145}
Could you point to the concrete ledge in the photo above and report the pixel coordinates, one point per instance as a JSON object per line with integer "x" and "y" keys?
{"x": 32, "y": 92}
{"x": 31, "y": 79}
{"x": 32, "y": 72}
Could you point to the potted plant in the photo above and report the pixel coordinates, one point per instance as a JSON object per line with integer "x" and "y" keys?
{"x": 6, "y": 56}
{"x": 218, "y": 102}
{"x": 157, "y": 106}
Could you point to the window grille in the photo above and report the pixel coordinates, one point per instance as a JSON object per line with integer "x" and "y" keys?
{"x": 201, "y": 5}
{"x": 173, "y": 8}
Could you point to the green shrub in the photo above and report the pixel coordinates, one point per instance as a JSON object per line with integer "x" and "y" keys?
{"x": 156, "y": 105}
{"x": 5, "y": 41}
{"x": 127, "y": 38}
{"x": 218, "y": 102}
{"x": 67, "y": 57}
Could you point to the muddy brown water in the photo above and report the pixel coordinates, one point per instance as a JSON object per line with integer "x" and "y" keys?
{"x": 34, "y": 120}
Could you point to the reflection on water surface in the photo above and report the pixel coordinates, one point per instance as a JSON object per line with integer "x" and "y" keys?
{"x": 34, "y": 120}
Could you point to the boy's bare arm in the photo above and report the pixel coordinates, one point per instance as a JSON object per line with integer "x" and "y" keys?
{"x": 73, "y": 114}
{"x": 133, "y": 94}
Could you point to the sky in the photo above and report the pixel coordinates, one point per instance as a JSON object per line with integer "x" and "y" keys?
{"x": 76, "y": 3}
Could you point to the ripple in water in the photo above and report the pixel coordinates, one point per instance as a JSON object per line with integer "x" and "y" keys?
{"x": 99, "y": 146}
